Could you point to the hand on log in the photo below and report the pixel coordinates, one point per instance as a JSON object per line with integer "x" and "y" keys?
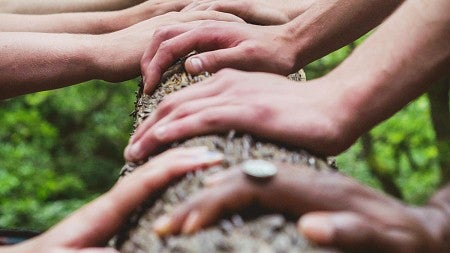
{"x": 264, "y": 105}
{"x": 272, "y": 12}
{"x": 94, "y": 224}
{"x": 337, "y": 211}
{"x": 223, "y": 45}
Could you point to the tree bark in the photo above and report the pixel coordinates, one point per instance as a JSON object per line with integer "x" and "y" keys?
{"x": 438, "y": 96}
{"x": 253, "y": 230}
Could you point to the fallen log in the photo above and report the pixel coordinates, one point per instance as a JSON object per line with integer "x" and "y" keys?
{"x": 254, "y": 229}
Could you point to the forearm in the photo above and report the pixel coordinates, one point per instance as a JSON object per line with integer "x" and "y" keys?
{"x": 88, "y": 23}
{"x": 435, "y": 217}
{"x": 38, "y": 61}
{"x": 328, "y": 25}
{"x": 49, "y": 6}
{"x": 394, "y": 65}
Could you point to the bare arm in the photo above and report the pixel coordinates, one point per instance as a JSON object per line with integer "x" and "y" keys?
{"x": 88, "y": 22}
{"x": 329, "y": 25}
{"x": 50, "y": 6}
{"x": 395, "y": 65}
{"x": 40, "y": 61}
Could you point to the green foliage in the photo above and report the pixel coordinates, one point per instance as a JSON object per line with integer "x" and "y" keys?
{"x": 59, "y": 149}
{"x": 405, "y": 146}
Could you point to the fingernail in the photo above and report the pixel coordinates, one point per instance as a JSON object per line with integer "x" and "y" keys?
{"x": 210, "y": 157}
{"x": 213, "y": 179}
{"x": 317, "y": 228}
{"x": 162, "y": 225}
{"x": 144, "y": 80}
{"x": 191, "y": 223}
{"x": 160, "y": 132}
{"x": 133, "y": 150}
{"x": 196, "y": 64}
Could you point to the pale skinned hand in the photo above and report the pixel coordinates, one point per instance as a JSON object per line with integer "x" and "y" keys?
{"x": 111, "y": 57}
{"x": 122, "y": 50}
{"x": 337, "y": 211}
{"x": 89, "y": 228}
{"x": 307, "y": 115}
{"x": 224, "y": 44}
{"x": 268, "y": 12}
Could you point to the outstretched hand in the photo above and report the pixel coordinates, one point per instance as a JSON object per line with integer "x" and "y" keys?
{"x": 272, "y": 12}
{"x": 307, "y": 115}
{"x": 222, "y": 45}
{"x": 98, "y": 221}
{"x": 120, "y": 52}
{"x": 337, "y": 211}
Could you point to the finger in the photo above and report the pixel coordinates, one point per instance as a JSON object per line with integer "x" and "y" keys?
{"x": 194, "y": 19}
{"x": 209, "y": 120}
{"x": 207, "y": 205}
{"x": 202, "y": 38}
{"x": 87, "y": 250}
{"x": 200, "y": 90}
{"x": 160, "y": 35}
{"x": 194, "y": 6}
{"x": 96, "y": 222}
{"x": 351, "y": 231}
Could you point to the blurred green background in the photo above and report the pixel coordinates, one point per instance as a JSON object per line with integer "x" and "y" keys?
{"x": 60, "y": 149}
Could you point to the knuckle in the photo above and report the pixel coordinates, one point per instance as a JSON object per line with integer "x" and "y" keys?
{"x": 167, "y": 105}
{"x": 252, "y": 48}
{"x": 261, "y": 112}
{"x": 183, "y": 111}
{"x": 211, "y": 118}
{"x": 161, "y": 33}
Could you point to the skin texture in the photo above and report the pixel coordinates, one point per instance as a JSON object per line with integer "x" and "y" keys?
{"x": 268, "y": 12}
{"x": 94, "y": 224}
{"x": 88, "y": 22}
{"x": 49, "y": 6}
{"x": 321, "y": 28}
{"x": 335, "y": 109}
{"x": 348, "y": 215}
{"x": 112, "y": 57}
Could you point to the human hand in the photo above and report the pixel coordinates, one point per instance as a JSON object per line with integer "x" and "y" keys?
{"x": 98, "y": 221}
{"x": 270, "y": 12}
{"x": 119, "y": 52}
{"x": 337, "y": 211}
{"x": 237, "y": 45}
{"x": 306, "y": 115}
{"x": 148, "y": 9}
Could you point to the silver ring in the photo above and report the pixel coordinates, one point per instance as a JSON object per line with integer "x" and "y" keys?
{"x": 259, "y": 169}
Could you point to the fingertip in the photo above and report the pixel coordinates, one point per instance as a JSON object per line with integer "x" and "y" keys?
{"x": 163, "y": 225}
{"x": 192, "y": 223}
{"x": 317, "y": 228}
{"x": 194, "y": 65}
{"x": 133, "y": 152}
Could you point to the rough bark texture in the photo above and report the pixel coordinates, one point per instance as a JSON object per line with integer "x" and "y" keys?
{"x": 253, "y": 230}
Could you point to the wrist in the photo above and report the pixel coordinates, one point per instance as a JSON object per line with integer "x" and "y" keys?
{"x": 114, "y": 59}
{"x": 97, "y": 56}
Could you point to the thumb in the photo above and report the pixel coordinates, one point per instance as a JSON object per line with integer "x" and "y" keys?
{"x": 346, "y": 230}
{"x": 213, "y": 61}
